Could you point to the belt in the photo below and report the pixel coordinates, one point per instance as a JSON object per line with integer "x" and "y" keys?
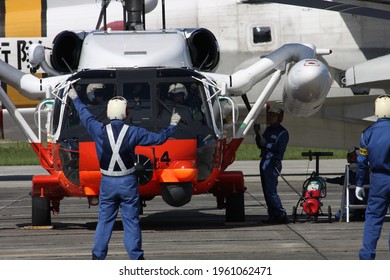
{"x": 118, "y": 173}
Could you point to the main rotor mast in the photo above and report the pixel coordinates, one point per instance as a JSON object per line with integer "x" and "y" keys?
{"x": 133, "y": 14}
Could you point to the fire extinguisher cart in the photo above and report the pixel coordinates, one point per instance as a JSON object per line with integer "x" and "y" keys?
{"x": 313, "y": 191}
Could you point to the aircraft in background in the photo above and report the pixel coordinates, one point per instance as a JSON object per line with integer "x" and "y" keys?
{"x": 124, "y": 58}
{"x": 355, "y": 31}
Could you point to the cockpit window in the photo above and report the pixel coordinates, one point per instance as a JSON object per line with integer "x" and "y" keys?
{"x": 188, "y": 98}
{"x": 95, "y": 93}
{"x": 96, "y": 97}
{"x": 185, "y": 98}
{"x": 138, "y": 101}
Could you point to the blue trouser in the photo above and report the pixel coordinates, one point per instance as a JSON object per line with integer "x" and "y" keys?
{"x": 378, "y": 203}
{"x": 269, "y": 180}
{"x": 118, "y": 192}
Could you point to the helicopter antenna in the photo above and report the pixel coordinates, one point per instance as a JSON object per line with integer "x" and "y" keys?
{"x": 204, "y": 61}
{"x": 67, "y": 65}
{"x": 103, "y": 14}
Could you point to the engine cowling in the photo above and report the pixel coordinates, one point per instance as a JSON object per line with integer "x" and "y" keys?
{"x": 66, "y": 51}
{"x": 203, "y": 47}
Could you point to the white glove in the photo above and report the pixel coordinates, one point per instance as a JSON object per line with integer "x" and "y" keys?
{"x": 359, "y": 192}
{"x": 175, "y": 118}
{"x": 72, "y": 94}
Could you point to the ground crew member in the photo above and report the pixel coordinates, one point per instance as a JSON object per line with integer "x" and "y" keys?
{"x": 374, "y": 158}
{"x": 354, "y": 214}
{"x": 273, "y": 144}
{"x": 115, "y": 144}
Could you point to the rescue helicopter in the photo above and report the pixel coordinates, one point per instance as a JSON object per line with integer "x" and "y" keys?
{"x": 148, "y": 67}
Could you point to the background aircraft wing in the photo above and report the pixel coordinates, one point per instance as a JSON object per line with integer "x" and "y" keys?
{"x": 374, "y": 8}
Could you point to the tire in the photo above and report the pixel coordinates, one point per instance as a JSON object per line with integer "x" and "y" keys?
{"x": 41, "y": 215}
{"x": 235, "y": 208}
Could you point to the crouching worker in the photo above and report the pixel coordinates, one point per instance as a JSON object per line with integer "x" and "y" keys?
{"x": 354, "y": 214}
{"x": 115, "y": 145}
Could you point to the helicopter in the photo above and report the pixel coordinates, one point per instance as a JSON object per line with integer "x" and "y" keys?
{"x": 124, "y": 59}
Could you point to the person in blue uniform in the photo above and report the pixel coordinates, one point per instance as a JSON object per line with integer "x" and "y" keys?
{"x": 273, "y": 144}
{"x": 354, "y": 214}
{"x": 374, "y": 161}
{"x": 115, "y": 144}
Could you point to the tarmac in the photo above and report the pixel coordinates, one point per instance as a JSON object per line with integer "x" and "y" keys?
{"x": 196, "y": 231}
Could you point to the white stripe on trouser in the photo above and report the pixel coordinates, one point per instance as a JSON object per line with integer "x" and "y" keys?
{"x": 115, "y": 158}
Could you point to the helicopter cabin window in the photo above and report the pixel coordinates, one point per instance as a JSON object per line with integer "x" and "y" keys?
{"x": 261, "y": 34}
{"x": 138, "y": 101}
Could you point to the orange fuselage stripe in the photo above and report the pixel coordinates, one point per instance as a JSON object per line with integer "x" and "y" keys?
{"x": 23, "y": 18}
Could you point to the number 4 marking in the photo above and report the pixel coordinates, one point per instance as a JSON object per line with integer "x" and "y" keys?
{"x": 165, "y": 157}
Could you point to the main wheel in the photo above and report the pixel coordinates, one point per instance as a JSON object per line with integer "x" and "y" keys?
{"x": 41, "y": 215}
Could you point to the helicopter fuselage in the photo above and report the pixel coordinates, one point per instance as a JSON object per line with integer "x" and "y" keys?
{"x": 187, "y": 164}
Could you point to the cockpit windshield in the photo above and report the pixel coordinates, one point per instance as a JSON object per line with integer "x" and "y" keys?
{"x": 138, "y": 102}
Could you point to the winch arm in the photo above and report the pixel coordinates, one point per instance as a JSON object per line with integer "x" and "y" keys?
{"x": 307, "y": 83}
{"x": 27, "y": 84}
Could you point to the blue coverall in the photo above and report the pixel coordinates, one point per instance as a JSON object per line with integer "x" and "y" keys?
{"x": 354, "y": 214}
{"x": 118, "y": 191}
{"x": 276, "y": 138}
{"x": 374, "y": 156}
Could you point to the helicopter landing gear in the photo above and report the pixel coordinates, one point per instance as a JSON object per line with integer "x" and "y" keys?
{"x": 235, "y": 208}
{"x": 41, "y": 215}
{"x": 229, "y": 191}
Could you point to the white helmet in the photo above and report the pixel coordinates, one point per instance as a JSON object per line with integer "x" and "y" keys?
{"x": 177, "y": 88}
{"x": 91, "y": 91}
{"x": 116, "y": 108}
{"x": 382, "y": 106}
